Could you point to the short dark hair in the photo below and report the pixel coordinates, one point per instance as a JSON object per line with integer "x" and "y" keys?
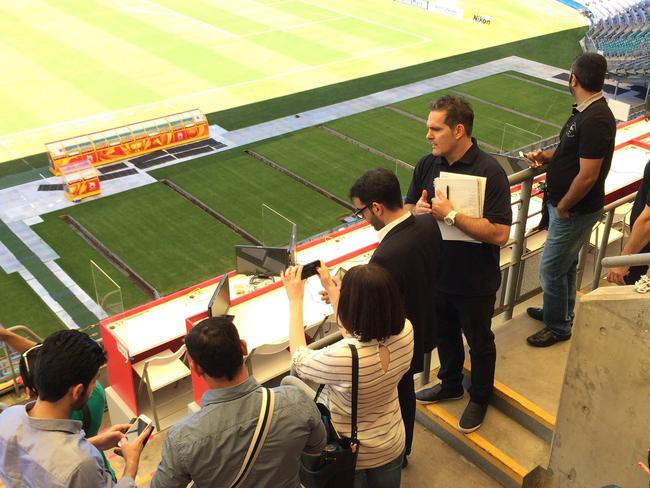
{"x": 457, "y": 110}
{"x": 215, "y": 346}
{"x": 67, "y": 358}
{"x": 590, "y": 70}
{"x": 370, "y": 305}
{"x": 378, "y": 185}
{"x": 27, "y": 376}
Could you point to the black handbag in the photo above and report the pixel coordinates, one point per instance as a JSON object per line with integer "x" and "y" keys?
{"x": 335, "y": 466}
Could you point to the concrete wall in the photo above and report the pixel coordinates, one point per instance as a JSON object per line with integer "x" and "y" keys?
{"x": 603, "y": 422}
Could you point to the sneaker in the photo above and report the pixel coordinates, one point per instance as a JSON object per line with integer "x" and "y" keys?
{"x": 546, "y": 337}
{"x": 436, "y": 394}
{"x": 536, "y": 313}
{"x": 472, "y": 417}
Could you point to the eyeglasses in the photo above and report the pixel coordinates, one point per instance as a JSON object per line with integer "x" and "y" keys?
{"x": 358, "y": 213}
{"x": 26, "y": 354}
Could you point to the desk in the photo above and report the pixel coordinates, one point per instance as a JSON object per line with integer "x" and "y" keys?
{"x": 261, "y": 315}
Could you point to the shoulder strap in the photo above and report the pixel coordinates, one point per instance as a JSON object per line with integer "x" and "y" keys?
{"x": 318, "y": 392}
{"x": 261, "y": 431}
{"x": 355, "y": 391}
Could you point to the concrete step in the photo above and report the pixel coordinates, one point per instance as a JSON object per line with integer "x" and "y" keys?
{"x": 513, "y": 444}
{"x": 502, "y": 447}
{"x": 528, "y": 380}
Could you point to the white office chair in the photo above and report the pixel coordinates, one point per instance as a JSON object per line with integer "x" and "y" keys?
{"x": 269, "y": 361}
{"x": 161, "y": 370}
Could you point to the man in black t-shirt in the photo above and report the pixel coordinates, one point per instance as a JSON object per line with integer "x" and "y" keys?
{"x": 639, "y": 241}
{"x": 575, "y": 181}
{"x": 468, "y": 272}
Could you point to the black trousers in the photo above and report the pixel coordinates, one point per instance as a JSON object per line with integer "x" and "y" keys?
{"x": 473, "y": 317}
{"x": 406, "y": 394}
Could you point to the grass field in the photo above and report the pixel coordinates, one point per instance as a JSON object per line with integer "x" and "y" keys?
{"x": 75, "y": 256}
{"x": 324, "y": 159}
{"x": 387, "y": 131}
{"x": 190, "y": 246}
{"x": 237, "y": 185}
{"x": 20, "y": 306}
{"x": 106, "y": 63}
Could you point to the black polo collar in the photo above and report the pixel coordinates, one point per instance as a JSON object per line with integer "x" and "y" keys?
{"x": 468, "y": 158}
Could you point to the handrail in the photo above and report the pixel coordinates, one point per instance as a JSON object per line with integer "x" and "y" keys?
{"x": 641, "y": 259}
{"x": 609, "y": 210}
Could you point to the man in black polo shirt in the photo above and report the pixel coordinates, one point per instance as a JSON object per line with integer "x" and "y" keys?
{"x": 575, "y": 181}
{"x": 468, "y": 272}
{"x": 639, "y": 241}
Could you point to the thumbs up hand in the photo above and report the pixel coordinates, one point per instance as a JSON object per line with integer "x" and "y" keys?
{"x": 423, "y": 206}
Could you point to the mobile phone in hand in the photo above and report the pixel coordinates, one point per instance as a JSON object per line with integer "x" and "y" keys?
{"x": 138, "y": 426}
{"x": 310, "y": 269}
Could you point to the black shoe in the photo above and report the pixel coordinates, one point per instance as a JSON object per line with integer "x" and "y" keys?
{"x": 436, "y": 394}
{"x": 536, "y": 313}
{"x": 546, "y": 337}
{"x": 472, "y": 417}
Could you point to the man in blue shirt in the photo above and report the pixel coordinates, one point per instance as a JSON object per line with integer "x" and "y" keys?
{"x": 209, "y": 446}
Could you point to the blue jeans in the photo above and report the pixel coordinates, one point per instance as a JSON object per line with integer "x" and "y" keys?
{"x": 557, "y": 271}
{"x": 387, "y": 476}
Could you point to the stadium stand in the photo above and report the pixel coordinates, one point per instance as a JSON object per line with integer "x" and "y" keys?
{"x": 620, "y": 31}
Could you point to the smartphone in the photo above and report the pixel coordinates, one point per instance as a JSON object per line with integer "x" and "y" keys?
{"x": 309, "y": 269}
{"x": 523, "y": 156}
{"x": 138, "y": 426}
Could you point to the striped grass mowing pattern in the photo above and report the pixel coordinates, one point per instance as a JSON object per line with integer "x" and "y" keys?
{"x": 236, "y": 185}
{"x": 326, "y": 160}
{"x": 162, "y": 236}
{"x": 387, "y": 131}
{"x": 20, "y": 305}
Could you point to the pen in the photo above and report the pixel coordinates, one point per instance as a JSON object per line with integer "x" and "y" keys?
{"x": 447, "y": 192}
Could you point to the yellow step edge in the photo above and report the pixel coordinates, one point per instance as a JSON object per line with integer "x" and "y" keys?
{"x": 521, "y": 403}
{"x": 476, "y": 443}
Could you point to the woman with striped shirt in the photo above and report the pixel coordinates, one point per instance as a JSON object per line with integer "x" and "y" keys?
{"x": 370, "y": 315}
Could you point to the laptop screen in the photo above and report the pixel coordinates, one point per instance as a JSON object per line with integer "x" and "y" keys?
{"x": 220, "y": 301}
{"x": 261, "y": 260}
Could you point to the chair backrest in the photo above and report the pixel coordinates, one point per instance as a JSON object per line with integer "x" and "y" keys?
{"x": 157, "y": 360}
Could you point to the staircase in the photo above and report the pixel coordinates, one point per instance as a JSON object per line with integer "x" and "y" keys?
{"x": 513, "y": 444}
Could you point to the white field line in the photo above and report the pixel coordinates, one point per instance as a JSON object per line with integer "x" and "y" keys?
{"x": 207, "y": 93}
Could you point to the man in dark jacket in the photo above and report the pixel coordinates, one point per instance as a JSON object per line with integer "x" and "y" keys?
{"x": 408, "y": 249}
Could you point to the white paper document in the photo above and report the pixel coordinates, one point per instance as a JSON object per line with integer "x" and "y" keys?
{"x": 466, "y": 193}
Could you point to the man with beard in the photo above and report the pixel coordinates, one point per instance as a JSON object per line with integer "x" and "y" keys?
{"x": 409, "y": 250}
{"x": 575, "y": 182}
{"x": 40, "y": 445}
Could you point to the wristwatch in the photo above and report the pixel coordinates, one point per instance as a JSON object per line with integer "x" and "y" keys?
{"x": 450, "y": 218}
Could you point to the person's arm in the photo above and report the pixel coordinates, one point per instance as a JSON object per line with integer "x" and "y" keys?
{"x": 580, "y": 186}
{"x": 18, "y": 343}
{"x": 171, "y": 472}
{"x": 639, "y": 237}
{"x": 88, "y": 473}
{"x": 295, "y": 288}
{"x": 131, "y": 451}
{"x": 480, "y": 229}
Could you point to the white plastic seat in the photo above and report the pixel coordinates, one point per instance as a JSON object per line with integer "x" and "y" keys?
{"x": 159, "y": 371}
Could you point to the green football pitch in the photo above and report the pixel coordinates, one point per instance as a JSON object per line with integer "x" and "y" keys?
{"x": 74, "y": 66}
